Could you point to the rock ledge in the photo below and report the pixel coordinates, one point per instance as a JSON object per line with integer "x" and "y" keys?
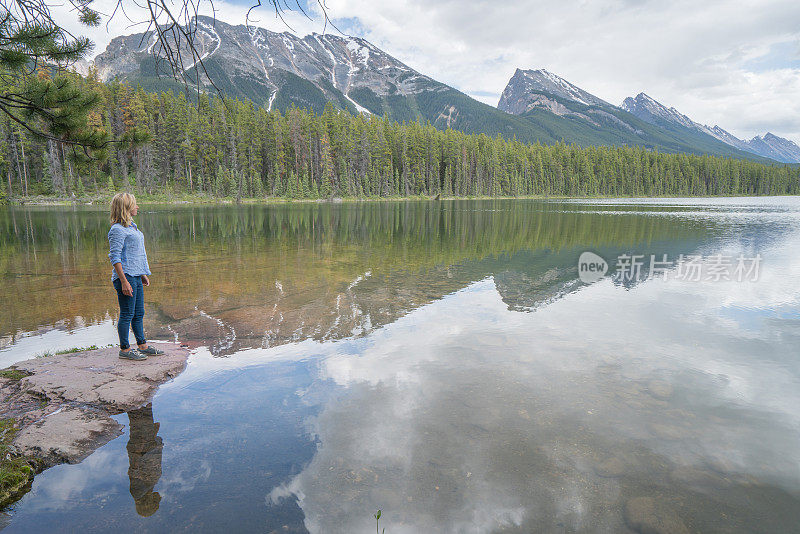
{"x": 63, "y": 407}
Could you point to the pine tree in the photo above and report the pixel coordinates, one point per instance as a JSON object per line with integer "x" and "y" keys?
{"x": 234, "y": 148}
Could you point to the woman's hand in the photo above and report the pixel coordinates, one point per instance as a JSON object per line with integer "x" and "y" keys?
{"x": 127, "y": 290}
{"x": 126, "y": 287}
{"x": 145, "y": 280}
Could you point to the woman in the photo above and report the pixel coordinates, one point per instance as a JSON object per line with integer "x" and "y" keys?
{"x": 130, "y": 274}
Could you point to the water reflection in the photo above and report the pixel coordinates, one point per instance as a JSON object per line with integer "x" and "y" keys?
{"x": 392, "y": 369}
{"x": 278, "y": 274}
{"x": 561, "y": 420}
{"x": 144, "y": 460}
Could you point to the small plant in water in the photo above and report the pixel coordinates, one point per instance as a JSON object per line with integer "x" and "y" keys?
{"x": 377, "y": 517}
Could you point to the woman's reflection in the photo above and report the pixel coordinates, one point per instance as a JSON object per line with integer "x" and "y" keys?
{"x": 144, "y": 457}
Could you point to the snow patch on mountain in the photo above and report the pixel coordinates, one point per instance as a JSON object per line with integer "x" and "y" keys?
{"x": 153, "y": 41}
{"x": 359, "y": 51}
{"x": 149, "y": 47}
{"x": 251, "y": 54}
{"x": 573, "y": 92}
{"x": 359, "y": 107}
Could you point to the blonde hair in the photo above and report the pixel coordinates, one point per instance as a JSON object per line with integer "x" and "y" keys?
{"x": 121, "y": 206}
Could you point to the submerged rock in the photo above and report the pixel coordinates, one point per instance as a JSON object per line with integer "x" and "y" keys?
{"x": 668, "y": 431}
{"x": 649, "y": 516}
{"x": 610, "y": 468}
{"x": 660, "y": 389}
{"x": 696, "y": 476}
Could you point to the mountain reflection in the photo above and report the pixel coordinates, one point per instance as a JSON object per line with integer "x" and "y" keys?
{"x": 278, "y": 274}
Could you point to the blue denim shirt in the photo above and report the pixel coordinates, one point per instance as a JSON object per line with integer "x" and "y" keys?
{"x": 126, "y": 246}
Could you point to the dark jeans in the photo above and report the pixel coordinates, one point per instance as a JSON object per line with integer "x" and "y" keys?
{"x": 131, "y": 311}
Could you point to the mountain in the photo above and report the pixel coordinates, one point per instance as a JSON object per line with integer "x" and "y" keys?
{"x": 575, "y": 115}
{"x": 278, "y": 70}
{"x": 777, "y": 148}
{"x": 527, "y": 89}
{"x": 770, "y": 146}
{"x": 654, "y": 112}
{"x": 727, "y": 137}
{"x": 571, "y": 113}
{"x": 273, "y": 68}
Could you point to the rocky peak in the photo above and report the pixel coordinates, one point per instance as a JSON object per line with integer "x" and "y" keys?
{"x": 775, "y": 147}
{"x": 770, "y": 146}
{"x": 528, "y": 89}
{"x": 726, "y": 137}
{"x": 650, "y": 110}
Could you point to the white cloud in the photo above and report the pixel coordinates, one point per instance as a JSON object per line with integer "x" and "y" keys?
{"x": 726, "y": 63}
{"x": 687, "y": 54}
{"x": 130, "y": 20}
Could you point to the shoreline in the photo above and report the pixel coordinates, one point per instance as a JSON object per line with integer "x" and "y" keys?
{"x": 58, "y": 409}
{"x": 103, "y": 200}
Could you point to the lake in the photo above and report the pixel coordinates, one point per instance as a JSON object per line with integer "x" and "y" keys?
{"x": 444, "y": 362}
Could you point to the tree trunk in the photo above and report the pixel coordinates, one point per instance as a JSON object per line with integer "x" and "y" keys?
{"x": 188, "y": 171}
{"x": 24, "y": 164}
{"x": 16, "y": 157}
{"x": 68, "y": 166}
{"x": 56, "y": 171}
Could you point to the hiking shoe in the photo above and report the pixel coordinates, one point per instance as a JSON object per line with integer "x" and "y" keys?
{"x": 151, "y": 350}
{"x": 132, "y": 354}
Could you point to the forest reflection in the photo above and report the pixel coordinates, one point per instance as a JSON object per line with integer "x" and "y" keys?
{"x": 247, "y": 276}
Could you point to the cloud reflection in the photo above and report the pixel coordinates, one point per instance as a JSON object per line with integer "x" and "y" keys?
{"x": 553, "y": 421}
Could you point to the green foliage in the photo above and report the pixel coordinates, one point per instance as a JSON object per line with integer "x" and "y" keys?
{"x": 299, "y": 92}
{"x": 15, "y": 471}
{"x": 31, "y": 36}
{"x": 369, "y": 99}
{"x": 76, "y": 349}
{"x": 46, "y": 186}
{"x": 73, "y": 350}
{"x": 335, "y": 97}
{"x": 13, "y": 374}
{"x": 36, "y": 91}
{"x": 222, "y": 149}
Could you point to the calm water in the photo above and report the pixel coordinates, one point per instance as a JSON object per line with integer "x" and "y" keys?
{"x": 441, "y": 362}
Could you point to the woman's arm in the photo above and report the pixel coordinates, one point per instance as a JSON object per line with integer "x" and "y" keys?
{"x": 126, "y": 286}
{"x": 116, "y": 239}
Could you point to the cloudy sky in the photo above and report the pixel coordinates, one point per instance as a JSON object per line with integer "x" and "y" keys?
{"x": 736, "y": 64}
